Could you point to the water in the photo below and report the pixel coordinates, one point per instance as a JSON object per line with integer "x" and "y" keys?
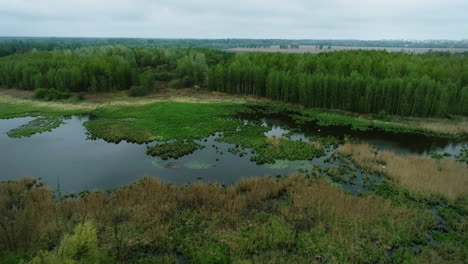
{"x": 66, "y": 158}
{"x": 404, "y": 144}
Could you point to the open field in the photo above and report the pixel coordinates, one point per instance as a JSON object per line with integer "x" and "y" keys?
{"x": 316, "y": 49}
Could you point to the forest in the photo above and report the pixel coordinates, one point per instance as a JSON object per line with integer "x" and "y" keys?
{"x": 12, "y": 45}
{"x": 433, "y": 84}
{"x": 106, "y": 69}
{"x": 423, "y": 85}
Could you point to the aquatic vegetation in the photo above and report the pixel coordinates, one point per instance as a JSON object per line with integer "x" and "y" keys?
{"x": 297, "y": 165}
{"x": 439, "y": 156}
{"x": 160, "y": 121}
{"x": 279, "y": 165}
{"x": 463, "y": 156}
{"x": 197, "y": 165}
{"x": 267, "y": 150}
{"x": 444, "y": 177}
{"x": 300, "y": 117}
{"x": 173, "y": 150}
{"x": 38, "y": 125}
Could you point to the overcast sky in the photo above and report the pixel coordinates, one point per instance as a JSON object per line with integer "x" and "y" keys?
{"x": 297, "y": 19}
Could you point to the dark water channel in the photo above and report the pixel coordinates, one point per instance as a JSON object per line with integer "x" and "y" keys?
{"x": 67, "y": 158}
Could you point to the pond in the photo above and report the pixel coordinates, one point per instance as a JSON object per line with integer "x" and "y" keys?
{"x": 66, "y": 159}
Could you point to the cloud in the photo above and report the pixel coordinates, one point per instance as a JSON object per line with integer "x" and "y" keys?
{"x": 337, "y": 19}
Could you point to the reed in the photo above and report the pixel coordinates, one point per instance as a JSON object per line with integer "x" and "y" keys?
{"x": 444, "y": 177}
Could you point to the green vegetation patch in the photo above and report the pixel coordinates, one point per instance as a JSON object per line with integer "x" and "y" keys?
{"x": 160, "y": 121}
{"x": 173, "y": 150}
{"x": 463, "y": 156}
{"x": 268, "y": 150}
{"x": 12, "y": 110}
{"x": 51, "y": 94}
{"x": 38, "y": 125}
{"x": 300, "y": 116}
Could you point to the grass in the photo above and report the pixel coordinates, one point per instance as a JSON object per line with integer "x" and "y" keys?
{"x": 10, "y": 109}
{"x": 262, "y": 220}
{"x": 160, "y": 121}
{"x": 445, "y": 177}
{"x": 38, "y": 125}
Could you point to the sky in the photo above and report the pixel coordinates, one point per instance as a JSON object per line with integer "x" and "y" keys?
{"x": 286, "y": 19}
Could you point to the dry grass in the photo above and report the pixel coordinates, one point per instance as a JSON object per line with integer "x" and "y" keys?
{"x": 315, "y": 144}
{"x": 445, "y": 177}
{"x": 257, "y": 217}
{"x": 444, "y": 126}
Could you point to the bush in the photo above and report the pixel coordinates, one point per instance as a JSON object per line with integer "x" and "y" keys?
{"x": 382, "y": 115}
{"x": 138, "y": 91}
{"x": 81, "y": 96}
{"x": 78, "y": 247}
{"x": 51, "y": 94}
{"x": 177, "y": 83}
{"x": 40, "y": 93}
{"x": 163, "y": 76}
{"x": 12, "y": 258}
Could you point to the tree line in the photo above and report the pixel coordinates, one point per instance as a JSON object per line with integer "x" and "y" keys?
{"x": 12, "y": 45}
{"x": 105, "y": 69}
{"x": 432, "y": 84}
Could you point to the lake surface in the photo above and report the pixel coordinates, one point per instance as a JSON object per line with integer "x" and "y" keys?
{"x": 65, "y": 157}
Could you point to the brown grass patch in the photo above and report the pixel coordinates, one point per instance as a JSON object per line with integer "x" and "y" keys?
{"x": 254, "y": 216}
{"x": 445, "y": 177}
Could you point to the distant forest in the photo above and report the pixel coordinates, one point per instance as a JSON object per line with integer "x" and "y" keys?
{"x": 12, "y": 45}
{"x": 430, "y": 84}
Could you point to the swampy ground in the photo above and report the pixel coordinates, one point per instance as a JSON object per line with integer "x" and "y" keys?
{"x": 353, "y": 203}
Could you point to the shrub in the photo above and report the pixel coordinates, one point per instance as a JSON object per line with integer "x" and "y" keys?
{"x": 81, "y": 96}
{"x": 51, "y": 94}
{"x": 78, "y": 247}
{"x": 12, "y": 258}
{"x": 40, "y": 93}
{"x": 138, "y": 91}
{"x": 177, "y": 83}
{"x": 163, "y": 76}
